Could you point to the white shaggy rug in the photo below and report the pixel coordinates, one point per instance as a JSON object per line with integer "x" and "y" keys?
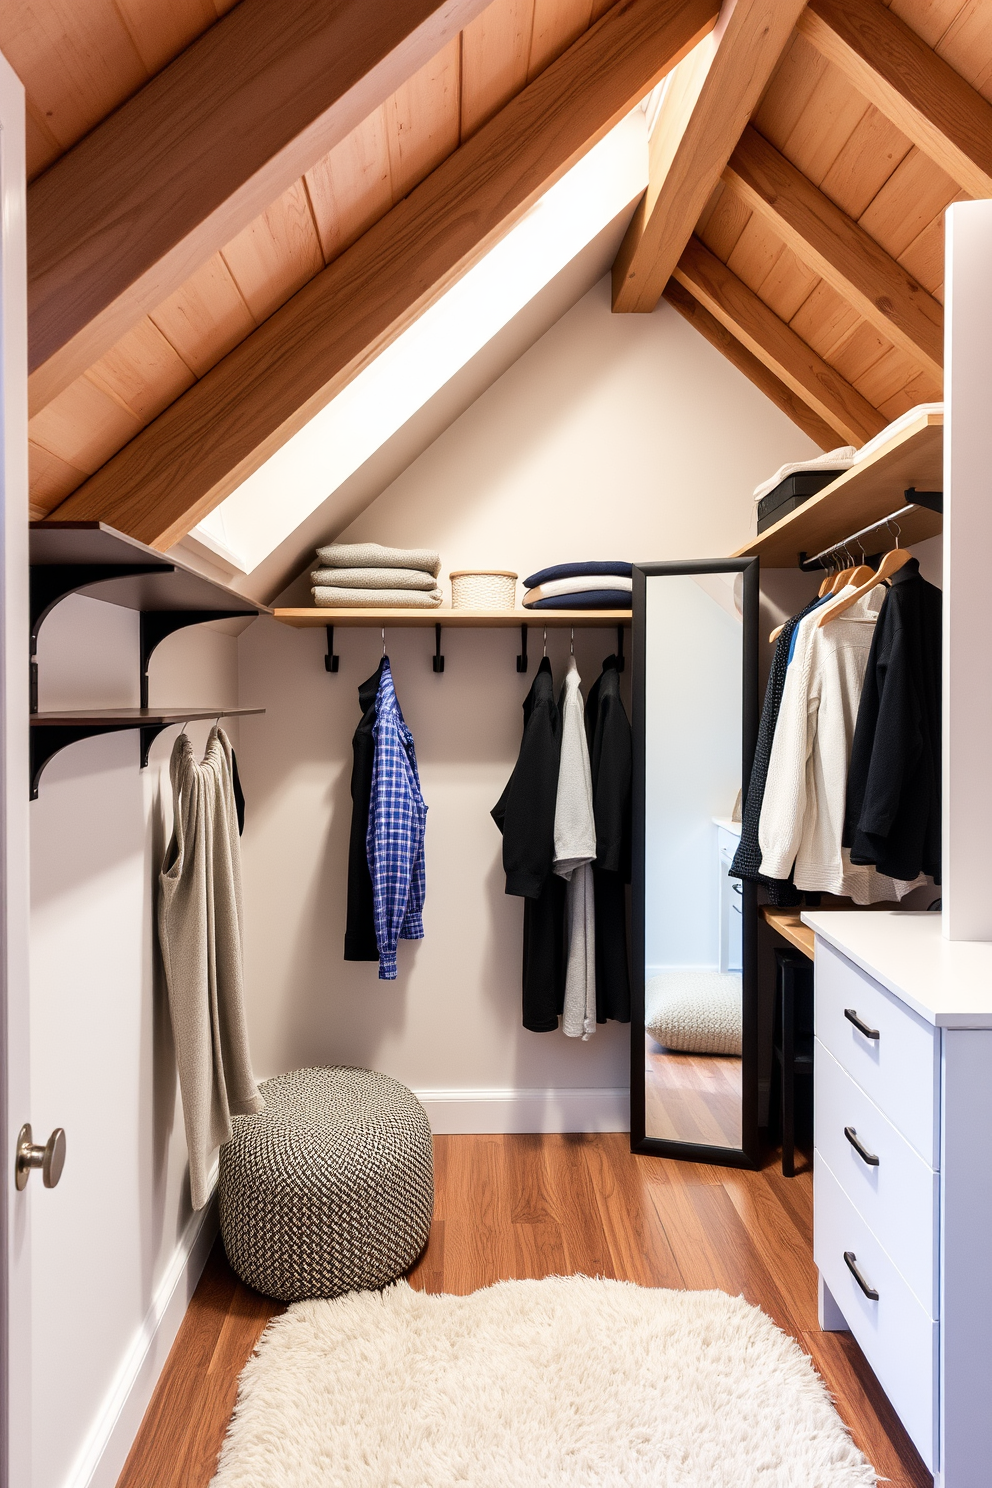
{"x": 534, "y": 1384}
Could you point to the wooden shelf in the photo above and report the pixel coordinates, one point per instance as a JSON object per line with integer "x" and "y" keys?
{"x": 788, "y": 924}
{"x": 477, "y": 619}
{"x": 869, "y": 490}
{"x": 51, "y": 732}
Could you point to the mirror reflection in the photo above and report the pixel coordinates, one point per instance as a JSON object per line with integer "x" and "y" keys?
{"x": 693, "y": 652}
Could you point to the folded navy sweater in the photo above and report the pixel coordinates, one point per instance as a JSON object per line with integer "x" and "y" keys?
{"x": 594, "y": 568}
{"x": 589, "y": 599}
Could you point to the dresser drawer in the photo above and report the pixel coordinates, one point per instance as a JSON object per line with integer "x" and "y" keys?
{"x": 897, "y": 1195}
{"x": 899, "y": 1340}
{"x": 890, "y": 1052}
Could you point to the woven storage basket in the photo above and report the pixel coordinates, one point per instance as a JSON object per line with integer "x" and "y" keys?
{"x": 483, "y": 589}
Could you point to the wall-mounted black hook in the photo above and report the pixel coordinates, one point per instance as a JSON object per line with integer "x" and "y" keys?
{"x": 620, "y": 661}
{"x": 331, "y": 662}
{"x": 438, "y": 660}
{"x": 522, "y": 658}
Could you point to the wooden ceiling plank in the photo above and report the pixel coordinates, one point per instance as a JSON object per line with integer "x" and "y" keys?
{"x": 351, "y": 187}
{"x": 717, "y": 335}
{"x": 924, "y": 258}
{"x": 915, "y": 193}
{"x": 787, "y": 96}
{"x": 495, "y": 56}
{"x": 892, "y": 372}
{"x": 121, "y": 220}
{"x": 838, "y": 249}
{"x": 206, "y": 317}
{"x": 160, "y": 32}
{"x": 752, "y": 36}
{"x": 776, "y": 345}
{"x": 83, "y": 425}
{"x": 725, "y": 223}
{"x": 144, "y": 371}
{"x": 875, "y": 149}
{"x": 834, "y": 111}
{"x": 929, "y": 18}
{"x": 50, "y": 480}
{"x": 277, "y": 254}
{"x": 789, "y": 285}
{"x": 920, "y": 92}
{"x": 223, "y": 428}
{"x": 557, "y": 23}
{"x": 423, "y": 119}
{"x": 824, "y": 320}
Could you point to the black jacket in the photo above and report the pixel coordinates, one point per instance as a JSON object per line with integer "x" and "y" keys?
{"x": 610, "y": 755}
{"x": 359, "y": 936}
{"x": 893, "y": 785}
{"x": 525, "y": 814}
{"x": 747, "y": 859}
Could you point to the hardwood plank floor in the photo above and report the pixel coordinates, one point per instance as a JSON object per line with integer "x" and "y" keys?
{"x": 531, "y": 1206}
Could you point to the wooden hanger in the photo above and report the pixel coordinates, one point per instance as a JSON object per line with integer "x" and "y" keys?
{"x": 833, "y": 581}
{"x": 893, "y": 561}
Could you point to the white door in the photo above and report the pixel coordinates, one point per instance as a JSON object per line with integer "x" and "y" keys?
{"x": 15, "y": 1108}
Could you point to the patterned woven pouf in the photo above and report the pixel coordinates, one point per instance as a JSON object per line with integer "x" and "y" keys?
{"x": 330, "y": 1189}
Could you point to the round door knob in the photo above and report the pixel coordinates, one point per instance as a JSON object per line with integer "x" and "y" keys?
{"x": 50, "y": 1158}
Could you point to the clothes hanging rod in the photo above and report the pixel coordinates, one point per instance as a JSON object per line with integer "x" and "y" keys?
{"x": 808, "y": 564}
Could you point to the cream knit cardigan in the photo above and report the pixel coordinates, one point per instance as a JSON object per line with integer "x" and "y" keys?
{"x": 802, "y": 813}
{"x": 200, "y": 933}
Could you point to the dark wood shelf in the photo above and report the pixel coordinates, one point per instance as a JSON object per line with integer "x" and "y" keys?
{"x": 53, "y": 731}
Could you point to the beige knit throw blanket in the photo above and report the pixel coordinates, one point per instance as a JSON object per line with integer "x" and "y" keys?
{"x": 374, "y": 555}
{"x": 375, "y": 599}
{"x": 200, "y": 932}
{"x": 373, "y": 578}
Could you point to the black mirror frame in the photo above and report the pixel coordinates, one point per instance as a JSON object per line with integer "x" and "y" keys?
{"x": 748, "y": 1155}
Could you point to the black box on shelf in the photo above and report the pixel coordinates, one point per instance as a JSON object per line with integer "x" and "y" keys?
{"x": 790, "y": 493}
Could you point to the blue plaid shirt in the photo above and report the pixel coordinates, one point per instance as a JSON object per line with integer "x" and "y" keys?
{"x": 394, "y": 843}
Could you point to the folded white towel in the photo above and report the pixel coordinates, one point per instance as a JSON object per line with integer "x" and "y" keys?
{"x": 896, "y": 426}
{"x": 374, "y": 555}
{"x": 375, "y": 599}
{"x": 839, "y": 459}
{"x": 581, "y": 585}
{"x": 374, "y": 578}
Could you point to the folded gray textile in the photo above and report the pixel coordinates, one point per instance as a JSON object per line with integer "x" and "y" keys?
{"x": 374, "y": 555}
{"x": 373, "y": 578}
{"x": 327, "y": 597}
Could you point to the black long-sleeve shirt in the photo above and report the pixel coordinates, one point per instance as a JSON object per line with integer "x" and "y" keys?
{"x": 610, "y": 756}
{"x": 525, "y": 814}
{"x": 893, "y": 785}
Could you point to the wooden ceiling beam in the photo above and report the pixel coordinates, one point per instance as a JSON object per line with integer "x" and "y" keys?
{"x": 847, "y": 257}
{"x": 773, "y": 387}
{"x": 776, "y": 345}
{"x": 701, "y": 120}
{"x": 225, "y": 426}
{"x": 906, "y": 80}
{"x": 124, "y": 218}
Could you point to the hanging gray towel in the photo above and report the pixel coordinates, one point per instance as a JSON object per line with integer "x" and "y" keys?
{"x": 200, "y": 933}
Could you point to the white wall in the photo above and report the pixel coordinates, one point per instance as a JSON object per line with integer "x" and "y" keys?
{"x": 110, "y": 1242}
{"x": 622, "y": 436}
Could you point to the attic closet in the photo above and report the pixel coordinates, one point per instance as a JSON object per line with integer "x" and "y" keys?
{"x": 566, "y": 1059}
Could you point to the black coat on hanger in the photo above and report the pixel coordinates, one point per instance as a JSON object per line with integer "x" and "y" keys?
{"x": 525, "y": 814}
{"x": 359, "y": 936}
{"x": 610, "y": 756}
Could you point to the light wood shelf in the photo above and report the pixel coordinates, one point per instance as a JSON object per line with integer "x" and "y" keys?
{"x": 473, "y": 619}
{"x": 788, "y": 924}
{"x": 863, "y": 494}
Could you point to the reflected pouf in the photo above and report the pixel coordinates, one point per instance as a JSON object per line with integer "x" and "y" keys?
{"x": 330, "y": 1189}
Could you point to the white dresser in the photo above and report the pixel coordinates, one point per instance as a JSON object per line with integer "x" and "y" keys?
{"x": 902, "y": 1179}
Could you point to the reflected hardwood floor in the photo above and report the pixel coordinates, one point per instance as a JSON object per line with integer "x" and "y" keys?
{"x": 691, "y": 1097}
{"x": 531, "y": 1206}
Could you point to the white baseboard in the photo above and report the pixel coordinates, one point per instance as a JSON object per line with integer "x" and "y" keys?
{"x": 105, "y": 1450}
{"x": 600, "y": 1109}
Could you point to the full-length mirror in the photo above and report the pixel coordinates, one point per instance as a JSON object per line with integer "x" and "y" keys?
{"x": 693, "y": 1072}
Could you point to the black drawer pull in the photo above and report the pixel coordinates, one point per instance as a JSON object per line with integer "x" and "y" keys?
{"x": 860, "y": 1148}
{"x": 860, "y": 1024}
{"x": 851, "y": 1260}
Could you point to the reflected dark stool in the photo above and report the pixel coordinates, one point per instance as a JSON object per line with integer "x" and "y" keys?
{"x": 792, "y": 1067}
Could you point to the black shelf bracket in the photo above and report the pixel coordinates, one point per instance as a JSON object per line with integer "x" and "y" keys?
{"x": 47, "y": 739}
{"x": 438, "y": 660}
{"x": 156, "y": 625}
{"x": 148, "y": 733}
{"x": 522, "y": 658}
{"x": 52, "y": 582}
{"x": 331, "y": 662}
{"x": 932, "y": 500}
{"x": 621, "y": 663}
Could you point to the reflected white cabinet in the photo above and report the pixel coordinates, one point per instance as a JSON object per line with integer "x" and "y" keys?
{"x": 902, "y": 1179}
{"x": 728, "y": 837}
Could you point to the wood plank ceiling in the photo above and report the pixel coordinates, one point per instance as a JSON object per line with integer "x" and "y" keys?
{"x": 816, "y": 263}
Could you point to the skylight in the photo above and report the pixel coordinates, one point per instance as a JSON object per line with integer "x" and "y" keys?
{"x": 293, "y": 482}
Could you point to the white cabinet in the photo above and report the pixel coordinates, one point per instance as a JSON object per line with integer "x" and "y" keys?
{"x": 728, "y": 836}
{"x": 902, "y": 1176}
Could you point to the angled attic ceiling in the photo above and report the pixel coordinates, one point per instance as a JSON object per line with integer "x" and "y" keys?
{"x": 235, "y": 209}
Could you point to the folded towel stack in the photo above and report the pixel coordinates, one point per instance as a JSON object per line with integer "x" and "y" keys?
{"x": 596, "y": 585}
{"x": 367, "y": 576}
